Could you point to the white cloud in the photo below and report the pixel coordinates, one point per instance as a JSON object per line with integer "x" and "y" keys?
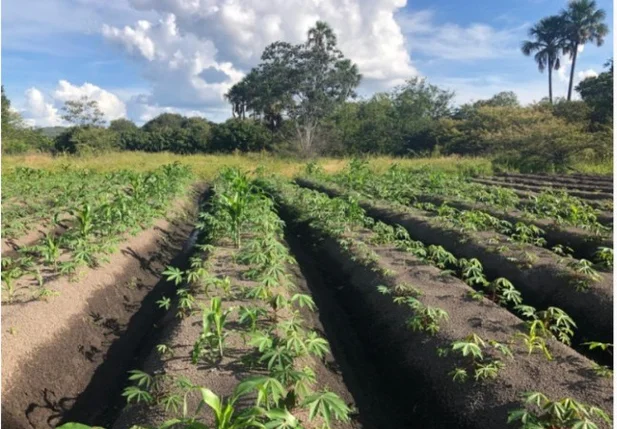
{"x": 108, "y": 103}
{"x": 563, "y": 73}
{"x": 584, "y": 74}
{"x": 38, "y": 112}
{"x": 41, "y": 112}
{"x": 470, "y": 89}
{"x": 367, "y": 30}
{"x": 199, "y": 48}
{"x": 175, "y": 64}
{"x": 455, "y": 42}
{"x": 140, "y": 111}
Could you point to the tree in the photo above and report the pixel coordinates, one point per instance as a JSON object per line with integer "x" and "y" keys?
{"x": 164, "y": 120}
{"x": 597, "y": 93}
{"x": 419, "y": 99}
{"x": 583, "y": 23}
{"x": 501, "y": 99}
{"x": 122, "y": 125}
{"x": 11, "y": 120}
{"x": 17, "y": 137}
{"x": 86, "y": 140}
{"x": 83, "y": 112}
{"x": 547, "y": 42}
{"x": 241, "y": 135}
{"x": 304, "y": 82}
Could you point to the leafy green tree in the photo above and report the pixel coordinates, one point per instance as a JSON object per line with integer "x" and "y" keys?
{"x": 199, "y": 133}
{"x": 16, "y": 136}
{"x": 573, "y": 112}
{"x": 584, "y": 23}
{"x": 548, "y": 41}
{"x": 129, "y": 135}
{"x": 304, "y": 82}
{"x": 501, "y": 99}
{"x": 86, "y": 140}
{"x": 83, "y": 112}
{"x": 240, "y": 135}
{"x": 419, "y": 99}
{"x": 10, "y": 119}
{"x": 597, "y": 93}
{"x": 165, "y": 120}
{"x": 122, "y": 125}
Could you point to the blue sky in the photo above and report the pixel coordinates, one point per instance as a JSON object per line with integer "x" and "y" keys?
{"x": 138, "y": 58}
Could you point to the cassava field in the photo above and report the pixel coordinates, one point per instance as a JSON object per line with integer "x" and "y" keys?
{"x": 230, "y": 292}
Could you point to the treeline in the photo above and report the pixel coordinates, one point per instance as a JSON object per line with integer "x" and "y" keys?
{"x": 419, "y": 119}
{"x": 300, "y": 99}
{"x": 416, "y": 119}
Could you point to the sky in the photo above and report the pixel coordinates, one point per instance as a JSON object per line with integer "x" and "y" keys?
{"x": 140, "y": 58}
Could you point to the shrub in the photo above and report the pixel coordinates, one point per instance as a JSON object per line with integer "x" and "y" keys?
{"x": 245, "y": 135}
{"x": 86, "y": 139}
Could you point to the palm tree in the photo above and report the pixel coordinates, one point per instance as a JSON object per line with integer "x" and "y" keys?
{"x": 547, "y": 43}
{"x": 583, "y": 24}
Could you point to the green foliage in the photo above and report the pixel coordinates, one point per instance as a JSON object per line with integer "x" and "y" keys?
{"x": 547, "y": 43}
{"x": 327, "y": 405}
{"x": 304, "y": 82}
{"x": 240, "y": 135}
{"x": 16, "y": 136}
{"x": 542, "y": 412}
{"x": 83, "y": 112}
{"x": 583, "y": 23}
{"x": 213, "y": 334}
{"x": 597, "y": 93}
{"x": 86, "y": 139}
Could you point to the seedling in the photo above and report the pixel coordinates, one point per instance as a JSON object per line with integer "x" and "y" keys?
{"x": 327, "y": 405}
{"x": 604, "y": 257}
{"x": 549, "y": 414}
{"x": 212, "y": 332}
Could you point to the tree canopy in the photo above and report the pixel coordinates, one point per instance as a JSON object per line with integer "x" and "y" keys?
{"x": 304, "y": 83}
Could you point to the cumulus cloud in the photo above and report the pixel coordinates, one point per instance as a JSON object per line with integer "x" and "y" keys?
{"x": 38, "y": 111}
{"x": 563, "y": 74}
{"x": 176, "y": 64}
{"x": 41, "y": 111}
{"x": 455, "y": 42}
{"x": 199, "y": 48}
{"x": 367, "y": 30}
{"x": 584, "y": 74}
{"x": 108, "y": 103}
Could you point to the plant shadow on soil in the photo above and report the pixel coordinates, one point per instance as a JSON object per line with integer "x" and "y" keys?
{"x": 105, "y": 348}
{"x": 385, "y": 392}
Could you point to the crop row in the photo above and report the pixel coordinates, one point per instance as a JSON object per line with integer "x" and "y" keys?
{"x": 92, "y": 229}
{"x": 239, "y": 312}
{"x": 437, "y": 326}
{"x": 521, "y": 226}
{"x": 567, "y": 184}
{"x": 542, "y": 278}
{"x": 586, "y": 194}
{"x": 404, "y": 186}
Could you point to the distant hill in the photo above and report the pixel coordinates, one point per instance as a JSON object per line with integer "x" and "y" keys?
{"x": 51, "y": 131}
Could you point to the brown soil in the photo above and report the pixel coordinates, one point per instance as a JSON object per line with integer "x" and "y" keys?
{"x": 544, "y": 282}
{"x": 409, "y": 362}
{"x": 54, "y": 351}
{"x": 222, "y": 375}
{"x": 580, "y": 194}
{"x": 11, "y": 246}
{"x": 588, "y": 187}
{"x": 584, "y": 243}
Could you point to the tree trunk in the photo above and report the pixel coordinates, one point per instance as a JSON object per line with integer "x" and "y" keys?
{"x": 550, "y": 82}
{"x": 572, "y": 72}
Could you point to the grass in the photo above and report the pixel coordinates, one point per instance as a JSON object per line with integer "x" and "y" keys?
{"x": 207, "y": 166}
